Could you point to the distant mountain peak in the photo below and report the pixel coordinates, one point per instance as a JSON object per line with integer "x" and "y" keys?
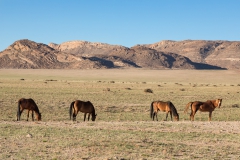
{"x": 28, "y": 45}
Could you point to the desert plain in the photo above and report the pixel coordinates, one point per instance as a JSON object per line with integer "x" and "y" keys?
{"x": 123, "y": 128}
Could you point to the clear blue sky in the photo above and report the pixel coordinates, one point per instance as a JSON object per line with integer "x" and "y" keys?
{"x": 122, "y": 22}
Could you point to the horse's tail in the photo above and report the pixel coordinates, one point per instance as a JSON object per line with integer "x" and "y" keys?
{"x": 18, "y": 110}
{"x": 187, "y": 106}
{"x": 70, "y": 109}
{"x": 151, "y": 110}
{"x": 173, "y": 109}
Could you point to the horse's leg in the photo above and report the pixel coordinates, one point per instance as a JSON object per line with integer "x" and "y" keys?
{"x": 156, "y": 116}
{"x": 193, "y": 112}
{"x": 166, "y": 116}
{"x": 85, "y": 116}
{"x": 21, "y": 110}
{"x": 32, "y": 116}
{"x": 88, "y": 116}
{"x": 210, "y": 116}
{"x": 28, "y": 115}
{"x": 74, "y": 115}
{"x": 192, "y": 116}
{"x": 171, "y": 116}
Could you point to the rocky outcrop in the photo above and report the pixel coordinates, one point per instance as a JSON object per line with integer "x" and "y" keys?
{"x": 225, "y": 54}
{"x": 87, "y": 48}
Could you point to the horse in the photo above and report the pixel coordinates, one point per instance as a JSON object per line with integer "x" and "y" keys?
{"x": 167, "y": 107}
{"x": 30, "y": 105}
{"x": 207, "y": 106}
{"x": 84, "y": 107}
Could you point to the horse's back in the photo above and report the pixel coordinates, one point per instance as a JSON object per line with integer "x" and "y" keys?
{"x": 202, "y": 106}
{"x": 28, "y": 104}
{"x": 162, "y": 106}
{"x": 86, "y": 107}
{"x": 207, "y": 106}
{"x": 197, "y": 104}
{"x": 32, "y": 104}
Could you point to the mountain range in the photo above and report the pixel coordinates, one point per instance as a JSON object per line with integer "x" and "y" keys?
{"x": 187, "y": 54}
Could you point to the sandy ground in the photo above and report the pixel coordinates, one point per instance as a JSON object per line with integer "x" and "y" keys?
{"x": 195, "y": 126}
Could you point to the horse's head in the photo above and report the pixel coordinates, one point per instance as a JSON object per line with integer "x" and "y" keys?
{"x": 176, "y": 117}
{"x": 219, "y": 102}
{"x": 39, "y": 117}
{"x": 94, "y": 117}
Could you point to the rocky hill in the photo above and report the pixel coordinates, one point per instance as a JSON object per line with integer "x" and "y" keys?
{"x": 28, "y": 54}
{"x": 224, "y": 54}
{"x": 87, "y": 55}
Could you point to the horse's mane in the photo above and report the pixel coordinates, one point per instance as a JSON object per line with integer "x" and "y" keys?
{"x": 173, "y": 109}
{"x": 93, "y": 112}
{"x": 36, "y": 107}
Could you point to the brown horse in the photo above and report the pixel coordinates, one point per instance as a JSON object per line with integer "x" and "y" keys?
{"x": 85, "y": 107}
{"x": 30, "y": 105}
{"x": 207, "y": 106}
{"x": 164, "y": 107}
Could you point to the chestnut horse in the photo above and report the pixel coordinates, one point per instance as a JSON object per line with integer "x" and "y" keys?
{"x": 85, "y": 107}
{"x": 207, "y": 106}
{"x": 164, "y": 107}
{"x": 30, "y": 105}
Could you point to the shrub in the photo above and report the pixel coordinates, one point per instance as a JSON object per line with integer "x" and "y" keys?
{"x": 148, "y": 91}
{"x": 235, "y": 106}
{"x": 107, "y": 89}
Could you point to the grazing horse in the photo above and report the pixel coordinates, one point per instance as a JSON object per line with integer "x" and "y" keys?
{"x": 167, "y": 107}
{"x": 85, "y": 107}
{"x": 30, "y": 105}
{"x": 207, "y": 106}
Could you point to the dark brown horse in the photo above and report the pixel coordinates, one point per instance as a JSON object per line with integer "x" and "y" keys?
{"x": 207, "y": 106}
{"x": 85, "y": 107}
{"x": 30, "y": 105}
{"x": 167, "y": 107}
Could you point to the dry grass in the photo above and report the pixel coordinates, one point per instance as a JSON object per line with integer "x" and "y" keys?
{"x": 123, "y": 129}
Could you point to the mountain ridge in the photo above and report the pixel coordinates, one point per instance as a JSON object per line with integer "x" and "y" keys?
{"x": 188, "y": 54}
